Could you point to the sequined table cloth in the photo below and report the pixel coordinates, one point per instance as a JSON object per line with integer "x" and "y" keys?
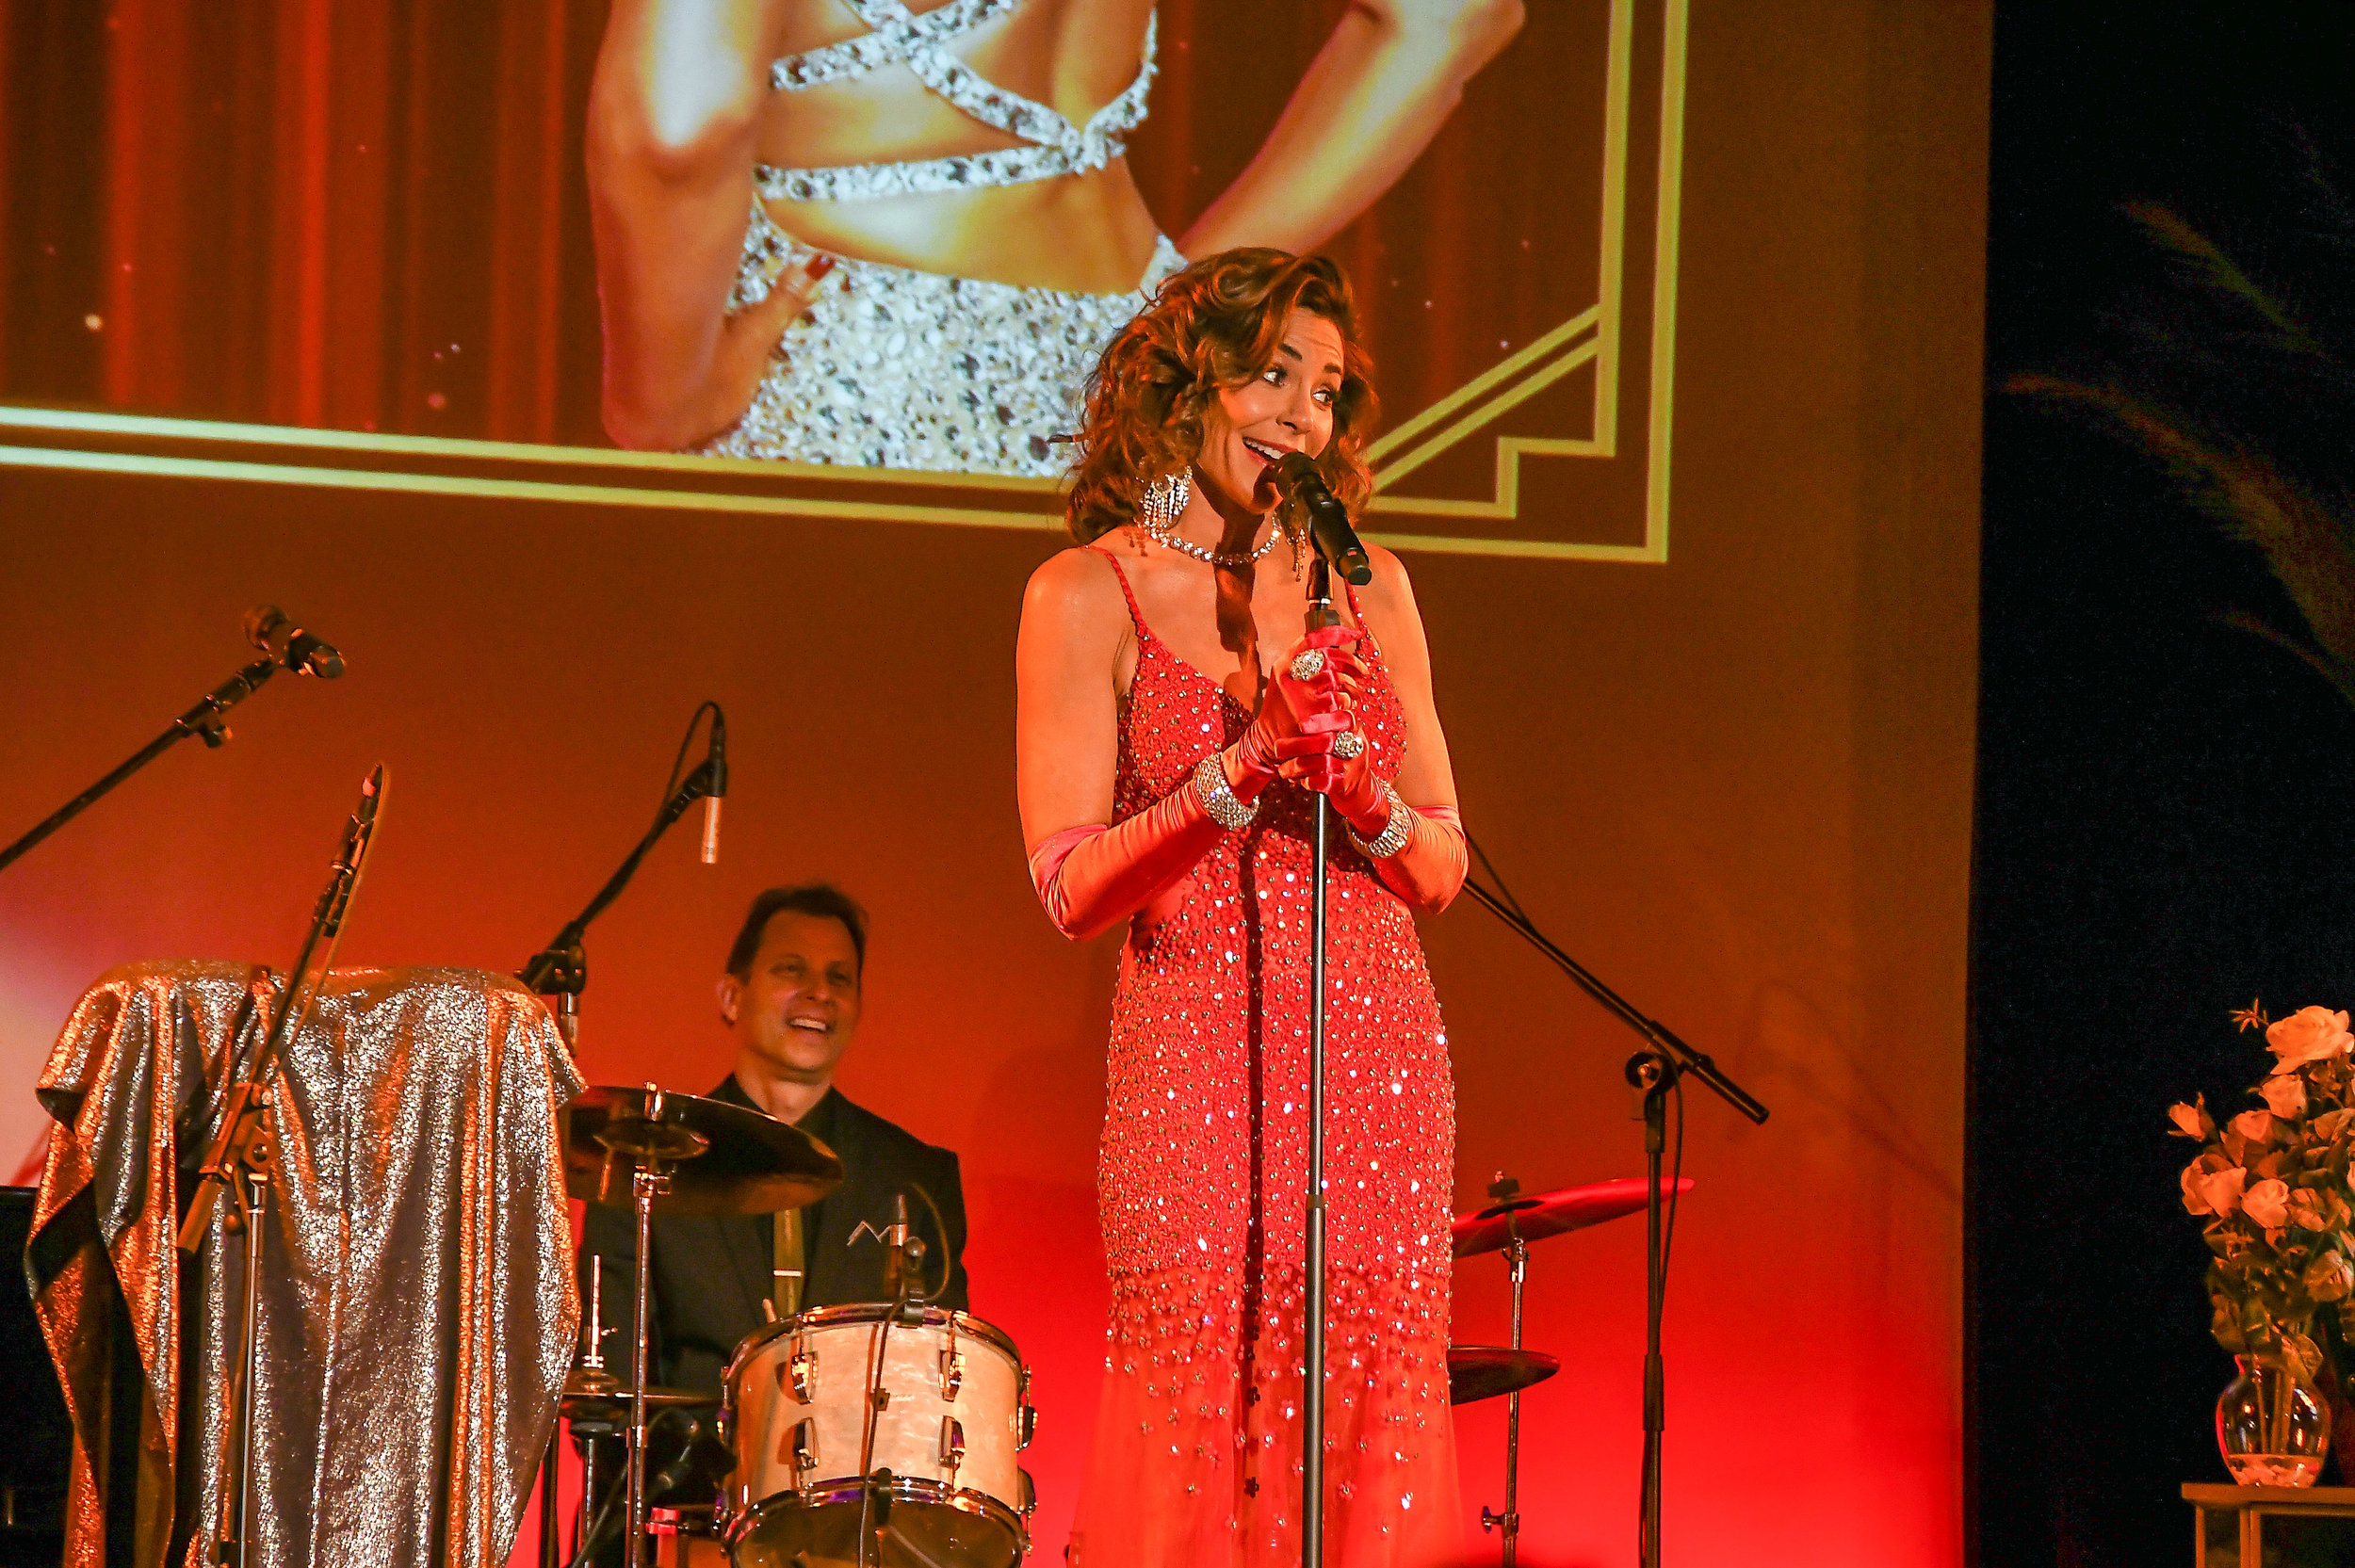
{"x": 418, "y": 1303}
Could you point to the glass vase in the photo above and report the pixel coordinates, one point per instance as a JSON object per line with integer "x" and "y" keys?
{"x": 2272, "y": 1423}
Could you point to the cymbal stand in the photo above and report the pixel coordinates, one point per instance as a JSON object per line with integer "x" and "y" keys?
{"x": 1508, "y": 1524}
{"x": 651, "y": 1179}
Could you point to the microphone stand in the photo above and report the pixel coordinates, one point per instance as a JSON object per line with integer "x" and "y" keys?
{"x": 239, "y": 1157}
{"x": 561, "y": 969}
{"x": 1655, "y": 1072}
{"x": 1321, "y": 614}
{"x": 207, "y": 721}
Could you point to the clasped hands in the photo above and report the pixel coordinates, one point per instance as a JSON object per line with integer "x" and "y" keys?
{"x": 1305, "y": 730}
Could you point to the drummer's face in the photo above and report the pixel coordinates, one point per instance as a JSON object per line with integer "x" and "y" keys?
{"x": 800, "y": 1005}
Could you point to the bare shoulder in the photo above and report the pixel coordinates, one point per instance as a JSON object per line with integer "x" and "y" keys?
{"x": 1075, "y": 588}
{"x": 1390, "y": 596}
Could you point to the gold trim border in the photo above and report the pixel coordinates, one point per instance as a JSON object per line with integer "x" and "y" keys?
{"x": 1591, "y": 338}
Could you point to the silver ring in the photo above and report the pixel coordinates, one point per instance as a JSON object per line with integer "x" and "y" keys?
{"x": 1348, "y": 744}
{"x": 1309, "y": 666}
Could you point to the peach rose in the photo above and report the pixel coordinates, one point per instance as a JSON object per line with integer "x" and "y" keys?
{"x": 2208, "y": 1189}
{"x": 2310, "y": 1034}
{"x": 2255, "y": 1125}
{"x": 2268, "y": 1203}
{"x": 2286, "y": 1096}
{"x": 2192, "y": 1120}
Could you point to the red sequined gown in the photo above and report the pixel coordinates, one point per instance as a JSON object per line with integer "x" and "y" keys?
{"x": 1203, "y": 1178}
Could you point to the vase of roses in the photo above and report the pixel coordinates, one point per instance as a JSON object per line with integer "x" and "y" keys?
{"x": 2272, "y": 1184}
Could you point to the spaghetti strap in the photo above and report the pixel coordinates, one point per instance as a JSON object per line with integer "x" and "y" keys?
{"x": 1136, "y": 616}
{"x": 1357, "y": 613}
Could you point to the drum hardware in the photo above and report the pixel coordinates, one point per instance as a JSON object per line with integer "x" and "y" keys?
{"x": 1481, "y": 1372}
{"x": 951, "y": 1375}
{"x": 678, "y": 1526}
{"x": 952, "y": 1445}
{"x": 682, "y": 1154}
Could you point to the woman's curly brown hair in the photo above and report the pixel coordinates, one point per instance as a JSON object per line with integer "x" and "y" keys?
{"x": 1216, "y": 324}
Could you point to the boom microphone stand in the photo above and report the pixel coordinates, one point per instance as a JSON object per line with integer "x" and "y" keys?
{"x": 1655, "y": 1072}
{"x": 266, "y": 628}
{"x": 561, "y": 969}
{"x": 239, "y": 1157}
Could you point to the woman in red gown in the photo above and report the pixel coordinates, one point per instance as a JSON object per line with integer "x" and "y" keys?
{"x": 1174, "y": 720}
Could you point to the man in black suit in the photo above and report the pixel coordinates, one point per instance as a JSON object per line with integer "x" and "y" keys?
{"x": 792, "y": 995}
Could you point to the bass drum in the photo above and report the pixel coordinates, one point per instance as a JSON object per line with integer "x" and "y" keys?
{"x": 800, "y": 1408}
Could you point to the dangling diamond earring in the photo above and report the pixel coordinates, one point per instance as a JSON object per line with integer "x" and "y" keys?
{"x": 1162, "y": 500}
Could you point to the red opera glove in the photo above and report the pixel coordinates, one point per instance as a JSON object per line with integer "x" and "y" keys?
{"x": 1090, "y": 877}
{"x": 1417, "y": 851}
{"x": 1299, "y": 714}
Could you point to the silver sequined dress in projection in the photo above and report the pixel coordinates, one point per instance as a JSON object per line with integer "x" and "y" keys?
{"x": 897, "y": 368}
{"x": 1204, "y": 1180}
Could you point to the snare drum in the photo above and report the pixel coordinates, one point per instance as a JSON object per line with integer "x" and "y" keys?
{"x": 953, "y": 1415}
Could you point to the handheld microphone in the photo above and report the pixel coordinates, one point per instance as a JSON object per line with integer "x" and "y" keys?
{"x": 716, "y": 764}
{"x": 1296, "y": 475}
{"x": 274, "y": 632}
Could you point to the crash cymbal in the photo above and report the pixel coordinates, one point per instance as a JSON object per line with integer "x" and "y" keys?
{"x": 1543, "y": 1214}
{"x": 589, "y": 1386}
{"x": 723, "y": 1159}
{"x": 1485, "y": 1371}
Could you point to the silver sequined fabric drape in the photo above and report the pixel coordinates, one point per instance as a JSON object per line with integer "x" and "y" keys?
{"x": 418, "y": 1307}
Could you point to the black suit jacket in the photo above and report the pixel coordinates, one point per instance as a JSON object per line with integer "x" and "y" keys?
{"x": 711, "y": 1272}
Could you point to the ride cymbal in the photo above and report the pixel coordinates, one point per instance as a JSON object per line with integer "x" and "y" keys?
{"x": 722, "y": 1158}
{"x": 1543, "y": 1214}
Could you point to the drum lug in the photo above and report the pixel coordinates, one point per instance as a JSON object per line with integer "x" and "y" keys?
{"x": 1030, "y": 1493}
{"x": 801, "y": 1375}
{"x": 1025, "y": 1427}
{"x": 805, "y": 1451}
{"x": 951, "y": 1376}
{"x": 951, "y": 1442}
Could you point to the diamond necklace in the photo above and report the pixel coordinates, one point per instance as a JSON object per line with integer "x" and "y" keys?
{"x": 1216, "y": 557}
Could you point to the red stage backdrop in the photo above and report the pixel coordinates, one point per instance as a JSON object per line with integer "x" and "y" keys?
{"x": 1736, "y": 781}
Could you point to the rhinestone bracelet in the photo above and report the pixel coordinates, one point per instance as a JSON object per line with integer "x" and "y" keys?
{"x": 1218, "y": 797}
{"x": 1394, "y": 833}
